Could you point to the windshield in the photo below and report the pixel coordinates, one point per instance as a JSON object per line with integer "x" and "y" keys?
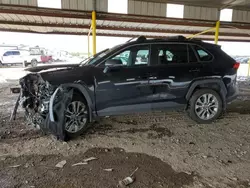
{"x": 93, "y": 59}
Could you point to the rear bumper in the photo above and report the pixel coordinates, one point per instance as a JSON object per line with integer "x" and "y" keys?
{"x": 233, "y": 93}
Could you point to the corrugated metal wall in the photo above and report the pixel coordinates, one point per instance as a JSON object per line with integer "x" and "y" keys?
{"x": 101, "y": 5}
{"x": 241, "y": 16}
{"x": 203, "y": 13}
{"x": 20, "y": 2}
{"x": 146, "y": 8}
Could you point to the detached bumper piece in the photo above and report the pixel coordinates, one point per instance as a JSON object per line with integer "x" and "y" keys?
{"x": 55, "y": 120}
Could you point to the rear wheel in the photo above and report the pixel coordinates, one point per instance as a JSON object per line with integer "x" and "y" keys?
{"x": 205, "y": 106}
{"x": 76, "y": 116}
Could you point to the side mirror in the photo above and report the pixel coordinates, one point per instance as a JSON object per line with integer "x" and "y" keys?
{"x": 112, "y": 65}
{"x": 113, "y": 62}
{"x": 113, "y": 68}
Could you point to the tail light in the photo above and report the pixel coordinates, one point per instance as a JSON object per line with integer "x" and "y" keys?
{"x": 236, "y": 65}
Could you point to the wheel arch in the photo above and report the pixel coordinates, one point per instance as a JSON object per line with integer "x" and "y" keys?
{"x": 213, "y": 83}
{"x": 83, "y": 90}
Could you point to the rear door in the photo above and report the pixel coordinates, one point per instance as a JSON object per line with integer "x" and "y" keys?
{"x": 124, "y": 88}
{"x": 171, "y": 74}
{"x": 201, "y": 66}
{"x": 16, "y": 57}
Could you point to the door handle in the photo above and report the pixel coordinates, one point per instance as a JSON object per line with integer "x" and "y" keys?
{"x": 143, "y": 77}
{"x": 194, "y": 70}
{"x": 152, "y": 78}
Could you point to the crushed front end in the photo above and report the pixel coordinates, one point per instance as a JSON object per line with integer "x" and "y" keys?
{"x": 35, "y": 98}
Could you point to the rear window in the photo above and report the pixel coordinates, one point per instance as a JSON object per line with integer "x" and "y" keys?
{"x": 203, "y": 54}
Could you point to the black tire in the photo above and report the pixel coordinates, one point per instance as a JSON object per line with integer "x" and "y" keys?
{"x": 77, "y": 97}
{"x": 191, "y": 108}
{"x": 34, "y": 62}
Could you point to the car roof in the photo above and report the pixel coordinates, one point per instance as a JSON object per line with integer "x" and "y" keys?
{"x": 175, "y": 39}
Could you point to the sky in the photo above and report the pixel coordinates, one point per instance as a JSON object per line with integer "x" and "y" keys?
{"x": 73, "y": 43}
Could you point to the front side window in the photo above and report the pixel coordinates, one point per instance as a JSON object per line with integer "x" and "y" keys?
{"x": 123, "y": 57}
{"x": 134, "y": 56}
{"x": 202, "y": 54}
{"x": 172, "y": 53}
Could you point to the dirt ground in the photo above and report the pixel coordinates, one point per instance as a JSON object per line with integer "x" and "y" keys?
{"x": 168, "y": 149}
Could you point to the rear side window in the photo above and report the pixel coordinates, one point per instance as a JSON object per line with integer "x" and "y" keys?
{"x": 192, "y": 56}
{"x": 172, "y": 53}
{"x": 203, "y": 54}
{"x": 15, "y": 53}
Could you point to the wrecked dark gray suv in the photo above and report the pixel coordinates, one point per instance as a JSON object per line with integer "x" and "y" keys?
{"x": 143, "y": 75}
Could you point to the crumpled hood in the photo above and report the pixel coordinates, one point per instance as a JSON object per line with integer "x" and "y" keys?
{"x": 52, "y": 67}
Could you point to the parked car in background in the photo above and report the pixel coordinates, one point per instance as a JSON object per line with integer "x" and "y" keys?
{"x": 12, "y": 57}
{"x": 143, "y": 75}
{"x": 46, "y": 59}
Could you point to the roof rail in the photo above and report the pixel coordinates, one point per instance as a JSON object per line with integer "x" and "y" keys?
{"x": 138, "y": 39}
{"x": 177, "y": 37}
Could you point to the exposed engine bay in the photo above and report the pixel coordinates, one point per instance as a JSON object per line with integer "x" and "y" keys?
{"x": 36, "y": 95}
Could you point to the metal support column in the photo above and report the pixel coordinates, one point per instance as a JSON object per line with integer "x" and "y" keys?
{"x": 94, "y": 31}
{"x": 217, "y": 30}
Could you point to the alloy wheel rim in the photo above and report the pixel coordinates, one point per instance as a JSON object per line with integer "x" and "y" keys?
{"x": 76, "y": 116}
{"x": 206, "y": 106}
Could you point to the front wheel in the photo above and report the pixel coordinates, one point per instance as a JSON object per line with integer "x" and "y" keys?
{"x": 76, "y": 116}
{"x": 205, "y": 106}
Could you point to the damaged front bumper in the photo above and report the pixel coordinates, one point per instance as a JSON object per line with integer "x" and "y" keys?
{"x": 44, "y": 104}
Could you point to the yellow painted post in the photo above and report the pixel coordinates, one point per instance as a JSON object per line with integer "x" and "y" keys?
{"x": 248, "y": 72}
{"x": 89, "y": 41}
{"x": 88, "y": 47}
{"x": 94, "y": 31}
{"x": 217, "y": 30}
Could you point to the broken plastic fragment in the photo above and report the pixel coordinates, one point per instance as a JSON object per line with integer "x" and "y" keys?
{"x": 108, "y": 169}
{"x": 15, "y": 166}
{"x": 126, "y": 181}
{"x": 61, "y": 164}
{"x": 81, "y": 163}
{"x": 90, "y": 159}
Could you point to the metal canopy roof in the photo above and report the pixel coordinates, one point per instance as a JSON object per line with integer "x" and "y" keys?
{"x": 238, "y": 4}
{"x": 55, "y": 21}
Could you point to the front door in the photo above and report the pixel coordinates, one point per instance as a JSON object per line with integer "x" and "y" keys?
{"x": 124, "y": 87}
{"x": 16, "y": 57}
